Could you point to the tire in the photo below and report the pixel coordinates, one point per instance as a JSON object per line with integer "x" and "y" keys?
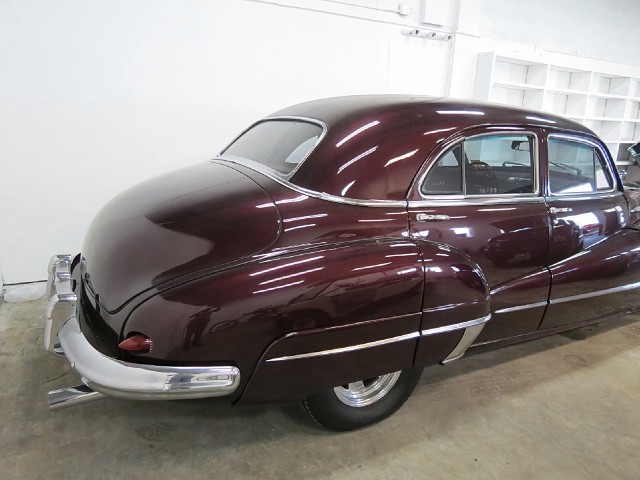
{"x": 359, "y": 404}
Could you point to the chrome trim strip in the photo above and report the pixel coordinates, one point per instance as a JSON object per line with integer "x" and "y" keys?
{"x": 470, "y": 334}
{"x": 350, "y": 348}
{"x": 598, "y": 293}
{"x": 444, "y": 148}
{"x": 141, "y": 381}
{"x": 285, "y": 117}
{"x": 572, "y": 197}
{"x": 456, "y": 305}
{"x": 456, "y": 326}
{"x": 521, "y": 307}
{"x": 474, "y": 200}
{"x": 304, "y": 191}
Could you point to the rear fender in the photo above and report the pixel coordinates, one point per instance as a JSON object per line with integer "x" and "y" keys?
{"x": 358, "y": 301}
{"x": 451, "y": 312}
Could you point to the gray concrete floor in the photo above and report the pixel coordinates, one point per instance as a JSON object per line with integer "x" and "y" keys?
{"x": 562, "y": 407}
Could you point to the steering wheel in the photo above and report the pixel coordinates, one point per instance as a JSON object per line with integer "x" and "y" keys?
{"x": 481, "y": 167}
{"x": 516, "y": 164}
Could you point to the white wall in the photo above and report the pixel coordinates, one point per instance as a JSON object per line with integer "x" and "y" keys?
{"x": 599, "y": 33}
{"x": 599, "y": 29}
{"x": 98, "y": 95}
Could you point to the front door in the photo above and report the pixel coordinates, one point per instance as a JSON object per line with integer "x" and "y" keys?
{"x": 480, "y": 195}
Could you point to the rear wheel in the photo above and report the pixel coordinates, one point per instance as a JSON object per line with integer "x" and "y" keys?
{"x": 358, "y": 404}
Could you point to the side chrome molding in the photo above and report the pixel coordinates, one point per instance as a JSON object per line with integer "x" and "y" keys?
{"x": 457, "y": 326}
{"x": 521, "y": 307}
{"x": 607, "y": 291}
{"x": 350, "y": 348}
{"x": 472, "y": 330}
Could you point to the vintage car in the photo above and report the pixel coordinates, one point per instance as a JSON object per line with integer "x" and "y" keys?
{"x": 336, "y": 247}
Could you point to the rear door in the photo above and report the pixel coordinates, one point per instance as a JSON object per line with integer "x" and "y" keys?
{"x": 587, "y": 209}
{"x": 480, "y": 194}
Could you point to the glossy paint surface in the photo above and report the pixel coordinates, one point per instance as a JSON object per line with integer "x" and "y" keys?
{"x": 235, "y": 315}
{"x": 607, "y": 265}
{"x": 376, "y": 143}
{"x": 176, "y": 224}
{"x": 224, "y": 264}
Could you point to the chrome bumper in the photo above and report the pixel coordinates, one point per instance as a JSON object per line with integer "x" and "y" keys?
{"x": 62, "y": 300}
{"x": 114, "y": 377}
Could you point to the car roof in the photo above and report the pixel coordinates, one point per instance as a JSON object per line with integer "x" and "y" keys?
{"x": 375, "y": 144}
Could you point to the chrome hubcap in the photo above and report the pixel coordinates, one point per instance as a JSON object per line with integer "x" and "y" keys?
{"x": 366, "y": 392}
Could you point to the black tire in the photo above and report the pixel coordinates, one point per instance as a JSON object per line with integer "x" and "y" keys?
{"x": 359, "y": 404}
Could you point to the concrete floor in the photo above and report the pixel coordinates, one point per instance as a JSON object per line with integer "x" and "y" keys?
{"x": 563, "y": 407}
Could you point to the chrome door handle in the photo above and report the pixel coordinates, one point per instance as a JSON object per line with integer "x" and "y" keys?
{"x": 635, "y": 209}
{"x": 554, "y": 210}
{"x": 424, "y": 217}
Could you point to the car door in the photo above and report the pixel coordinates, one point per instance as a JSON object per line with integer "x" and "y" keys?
{"x": 480, "y": 194}
{"x": 589, "y": 253}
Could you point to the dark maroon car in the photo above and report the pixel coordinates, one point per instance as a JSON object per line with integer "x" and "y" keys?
{"x": 338, "y": 246}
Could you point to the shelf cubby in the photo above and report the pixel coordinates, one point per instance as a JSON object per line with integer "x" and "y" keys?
{"x": 606, "y": 102}
{"x": 569, "y": 105}
{"x": 520, "y": 73}
{"x": 633, "y": 111}
{"x": 635, "y": 88}
{"x": 568, "y": 80}
{"x": 606, "y": 107}
{"x": 602, "y": 84}
{"x": 630, "y": 132}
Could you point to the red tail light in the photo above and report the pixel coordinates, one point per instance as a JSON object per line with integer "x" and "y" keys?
{"x": 137, "y": 343}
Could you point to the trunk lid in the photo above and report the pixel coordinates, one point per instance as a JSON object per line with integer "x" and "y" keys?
{"x": 191, "y": 220}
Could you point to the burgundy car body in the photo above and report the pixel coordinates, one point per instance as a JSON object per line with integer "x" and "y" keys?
{"x": 344, "y": 269}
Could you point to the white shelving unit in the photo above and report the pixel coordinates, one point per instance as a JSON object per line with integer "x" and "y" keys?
{"x": 607, "y": 103}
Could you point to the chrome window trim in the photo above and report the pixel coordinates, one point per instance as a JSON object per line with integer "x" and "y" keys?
{"x": 294, "y": 118}
{"x": 597, "y": 293}
{"x": 268, "y": 172}
{"x": 350, "y": 348}
{"x": 607, "y": 160}
{"x": 514, "y": 196}
{"x": 475, "y": 200}
{"x": 456, "y": 326}
{"x": 569, "y": 197}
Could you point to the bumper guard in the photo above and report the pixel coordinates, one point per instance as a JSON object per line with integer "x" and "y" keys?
{"x": 113, "y": 377}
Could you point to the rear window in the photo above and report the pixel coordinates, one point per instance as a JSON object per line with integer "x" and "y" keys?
{"x": 278, "y": 144}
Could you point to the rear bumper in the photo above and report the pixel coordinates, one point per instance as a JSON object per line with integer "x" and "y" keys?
{"x": 114, "y": 377}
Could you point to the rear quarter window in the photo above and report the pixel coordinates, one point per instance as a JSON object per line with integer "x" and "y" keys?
{"x": 278, "y": 144}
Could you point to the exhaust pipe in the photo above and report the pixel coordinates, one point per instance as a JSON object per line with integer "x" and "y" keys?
{"x": 70, "y": 396}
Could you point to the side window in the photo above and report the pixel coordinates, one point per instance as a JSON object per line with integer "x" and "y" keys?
{"x": 485, "y": 165}
{"x": 576, "y": 167}
{"x": 445, "y": 177}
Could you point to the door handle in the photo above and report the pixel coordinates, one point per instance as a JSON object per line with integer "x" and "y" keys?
{"x": 635, "y": 209}
{"x": 424, "y": 217}
{"x": 554, "y": 210}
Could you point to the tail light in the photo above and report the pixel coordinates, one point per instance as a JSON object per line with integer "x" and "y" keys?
{"x": 137, "y": 343}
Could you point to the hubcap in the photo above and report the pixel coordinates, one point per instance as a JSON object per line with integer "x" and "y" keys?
{"x": 366, "y": 392}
